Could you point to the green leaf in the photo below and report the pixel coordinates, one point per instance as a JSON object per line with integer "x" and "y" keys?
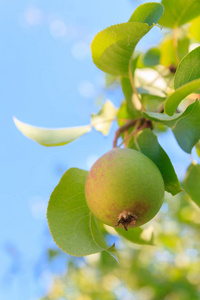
{"x": 194, "y": 29}
{"x": 148, "y": 144}
{"x": 152, "y": 57}
{"x": 185, "y": 126}
{"x": 113, "y": 47}
{"x": 151, "y": 97}
{"x": 173, "y": 100}
{"x": 51, "y": 137}
{"x": 73, "y": 227}
{"x": 167, "y": 51}
{"x": 133, "y": 104}
{"x": 103, "y": 120}
{"x": 186, "y": 81}
{"x": 138, "y": 235}
{"x": 187, "y": 129}
{"x": 188, "y": 69}
{"x": 149, "y": 13}
{"x": 191, "y": 183}
{"x": 179, "y": 12}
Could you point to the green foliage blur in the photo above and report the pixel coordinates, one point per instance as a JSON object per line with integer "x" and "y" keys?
{"x": 168, "y": 271}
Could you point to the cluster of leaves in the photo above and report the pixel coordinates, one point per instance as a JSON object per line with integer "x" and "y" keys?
{"x": 154, "y": 85}
{"x": 168, "y": 271}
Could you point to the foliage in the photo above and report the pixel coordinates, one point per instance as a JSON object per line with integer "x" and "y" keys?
{"x": 147, "y": 108}
{"x": 169, "y": 270}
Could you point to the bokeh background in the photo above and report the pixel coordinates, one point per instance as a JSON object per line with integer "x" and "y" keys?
{"x": 48, "y": 79}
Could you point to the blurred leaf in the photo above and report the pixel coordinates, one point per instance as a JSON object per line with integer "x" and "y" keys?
{"x": 194, "y": 29}
{"x": 72, "y": 226}
{"x": 152, "y": 57}
{"x": 103, "y": 120}
{"x": 151, "y": 97}
{"x": 51, "y": 137}
{"x": 111, "y": 81}
{"x": 179, "y": 12}
{"x": 149, "y": 90}
{"x": 185, "y": 126}
{"x": 198, "y": 148}
{"x": 133, "y": 107}
{"x": 106, "y": 264}
{"x": 148, "y": 144}
{"x": 191, "y": 183}
{"x": 138, "y": 235}
{"x": 151, "y": 102}
{"x": 167, "y": 52}
{"x": 123, "y": 116}
{"x": 151, "y": 78}
{"x": 113, "y": 47}
{"x": 52, "y": 253}
{"x": 186, "y": 81}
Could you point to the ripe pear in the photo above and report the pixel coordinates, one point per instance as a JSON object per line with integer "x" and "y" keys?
{"x": 124, "y": 188}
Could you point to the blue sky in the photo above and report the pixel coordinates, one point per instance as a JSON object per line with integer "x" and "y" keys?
{"x": 48, "y": 79}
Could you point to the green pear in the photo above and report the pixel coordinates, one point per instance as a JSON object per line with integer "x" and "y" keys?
{"x": 124, "y": 188}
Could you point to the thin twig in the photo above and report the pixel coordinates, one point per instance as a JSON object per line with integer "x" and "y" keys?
{"x": 139, "y": 124}
{"x": 140, "y": 127}
{"x": 135, "y": 130}
{"x": 120, "y": 130}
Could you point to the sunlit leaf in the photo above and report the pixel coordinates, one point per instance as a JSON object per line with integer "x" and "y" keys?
{"x": 167, "y": 51}
{"x": 138, "y": 235}
{"x": 191, "y": 183}
{"x": 194, "y": 29}
{"x": 148, "y": 144}
{"x": 103, "y": 120}
{"x": 72, "y": 226}
{"x": 179, "y": 12}
{"x": 185, "y": 126}
{"x": 186, "y": 81}
{"x": 51, "y": 137}
{"x": 113, "y": 47}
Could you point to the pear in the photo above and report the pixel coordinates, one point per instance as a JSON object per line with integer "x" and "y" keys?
{"x": 124, "y": 188}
